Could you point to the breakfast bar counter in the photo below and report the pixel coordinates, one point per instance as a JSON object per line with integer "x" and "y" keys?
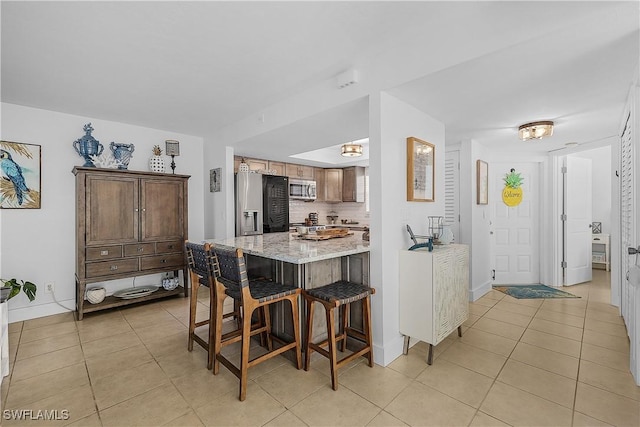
{"x": 290, "y": 248}
{"x": 290, "y": 258}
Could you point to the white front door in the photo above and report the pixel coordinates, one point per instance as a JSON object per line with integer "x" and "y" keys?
{"x": 515, "y": 241}
{"x": 577, "y": 226}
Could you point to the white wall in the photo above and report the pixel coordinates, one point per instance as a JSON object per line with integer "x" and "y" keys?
{"x": 218, "y": 207}
{"x": 352, "y": 211}
{"x": 601, "y": 187}
{"x": 391, "y": 121}
{"x": 39, "y": 244}
{"x": 475, "y": 220}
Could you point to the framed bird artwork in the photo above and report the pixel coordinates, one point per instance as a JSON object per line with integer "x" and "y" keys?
{"x": 20, "y": 175}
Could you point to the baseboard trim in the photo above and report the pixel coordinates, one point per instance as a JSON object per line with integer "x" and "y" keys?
{"x": 475, "y": 294}
{"x": 27, "y": 313}
{"x": 383, "y": 355}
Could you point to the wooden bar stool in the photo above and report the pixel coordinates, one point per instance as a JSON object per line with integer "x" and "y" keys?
{"x": 201, "y": 272}
{"x": 339, "y": 294}
{"x": 231, "y": 272}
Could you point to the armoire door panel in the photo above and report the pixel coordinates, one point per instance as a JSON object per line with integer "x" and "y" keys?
{"x": 112, "y": 206}
{"x": 162, "y": 209}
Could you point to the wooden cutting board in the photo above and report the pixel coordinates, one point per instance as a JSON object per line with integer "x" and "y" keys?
{"x": 318, "y": 237}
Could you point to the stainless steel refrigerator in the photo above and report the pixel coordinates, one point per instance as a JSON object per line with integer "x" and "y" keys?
{"x": 248, "y": 188}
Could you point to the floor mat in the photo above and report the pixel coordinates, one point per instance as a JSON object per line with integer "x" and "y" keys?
{"x": 533, "y": 291}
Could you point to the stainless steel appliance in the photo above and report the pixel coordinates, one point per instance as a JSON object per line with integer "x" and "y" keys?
{"x": 302, "y": 189}
{"x": 248, "y": 203}
{"x": 313, "y": 216}
{"x": 275, "y": 203}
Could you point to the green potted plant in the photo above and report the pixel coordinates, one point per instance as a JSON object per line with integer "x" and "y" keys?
{"x": 11, "y": 288}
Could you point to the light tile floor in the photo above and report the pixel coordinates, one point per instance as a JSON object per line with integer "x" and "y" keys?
{"x": 557, "y": 362}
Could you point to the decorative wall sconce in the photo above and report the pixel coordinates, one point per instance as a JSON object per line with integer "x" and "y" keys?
{"x": 172, "y": 148}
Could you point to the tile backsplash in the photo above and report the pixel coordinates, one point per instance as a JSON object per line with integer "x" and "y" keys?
{"x": 299, "y": 210}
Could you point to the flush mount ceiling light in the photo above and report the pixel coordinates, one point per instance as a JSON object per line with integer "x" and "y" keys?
{"x": 351, "y": 150}
{"x": 535, "y": 130}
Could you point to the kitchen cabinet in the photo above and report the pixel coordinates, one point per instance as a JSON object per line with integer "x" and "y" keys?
{"x": 299, "y": 171}
{"x": 333, "y": 185}
{"x": 256, "y": 165}
{"x": 319, "y": 176}
{"x": 328, "y": 185}
{"x": 278, "y": 168}
{"x": 353, "y": 184}
{"x": 128, "y": 224}
{"x": 434, "y": 293}
{"x": 600, "y": 251}
{"x": 260, "y": 165}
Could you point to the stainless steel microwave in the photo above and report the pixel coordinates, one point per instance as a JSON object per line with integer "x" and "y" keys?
{"x": 302, "y": 189}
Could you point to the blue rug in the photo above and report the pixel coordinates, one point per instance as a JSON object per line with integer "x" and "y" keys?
{"x": 533, "y": 291}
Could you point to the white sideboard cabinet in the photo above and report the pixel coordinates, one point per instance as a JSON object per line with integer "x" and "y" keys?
{"x": 600, "y": 252}
{"x": 434, "y": 294}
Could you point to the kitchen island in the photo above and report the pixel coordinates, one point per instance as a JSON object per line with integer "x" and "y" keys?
{"x": 288, "y": 258}
{"x": 294, "y": 249}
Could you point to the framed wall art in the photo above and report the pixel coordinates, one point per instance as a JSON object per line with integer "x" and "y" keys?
{"x": 420, "y": 170}
{"x": 20, "y": 168}
{"x": 215, "y": 183}
{"x": 482, "y": 183}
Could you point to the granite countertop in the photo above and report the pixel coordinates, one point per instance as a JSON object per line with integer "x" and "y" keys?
{"x": 288, "y": 247}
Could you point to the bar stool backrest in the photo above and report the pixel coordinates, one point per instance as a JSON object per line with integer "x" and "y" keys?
{"x": 200, "y": 261}
{"x": 229, "y": 267}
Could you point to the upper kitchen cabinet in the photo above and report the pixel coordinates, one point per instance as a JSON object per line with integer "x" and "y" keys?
{"x": 260, "y": 165}
{"x": 318, "y": 173}
{"x": 353, "y": 184}
{"x": 330, "y": 185}
{"x": 299, "y": 171}
{"x": 279, "y": 168}
{"x": 257, "y": 164}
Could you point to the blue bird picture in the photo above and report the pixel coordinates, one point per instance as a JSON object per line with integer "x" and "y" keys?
{"x": 19, "y": 175}
{"x": 12, "y": 171}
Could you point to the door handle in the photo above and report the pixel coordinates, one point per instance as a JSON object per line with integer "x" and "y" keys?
{"x": 633, "y": 251}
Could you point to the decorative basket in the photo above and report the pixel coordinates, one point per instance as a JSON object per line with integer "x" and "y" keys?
{"x": 96, "y": 295}
{"x": 170, "y": 284}
{"x": 156, "y": 164}
{"x": 243, "y": 167}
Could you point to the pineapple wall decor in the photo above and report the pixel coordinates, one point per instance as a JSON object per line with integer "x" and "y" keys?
{"x": 512, "y": 193}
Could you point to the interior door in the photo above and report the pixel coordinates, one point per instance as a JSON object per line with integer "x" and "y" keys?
{"x": 577, "y": 225}
{"x": 452, "y": 193}
{"x": 628, "y": 216}
{"x": 515, "y": 242}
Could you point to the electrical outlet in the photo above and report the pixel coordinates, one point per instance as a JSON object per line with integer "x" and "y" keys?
{"x": 49, "y": 287}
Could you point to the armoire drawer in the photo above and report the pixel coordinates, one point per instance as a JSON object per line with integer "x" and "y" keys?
{"x": 104, "y": 252}
{"x": 105, "y": 268}
{"x": 169, "y": 247}
{"x": 161, "y": 261}
{"x": 139, "y": 249}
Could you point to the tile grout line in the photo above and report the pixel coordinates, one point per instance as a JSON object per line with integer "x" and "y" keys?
{"x": 503, "y": 365}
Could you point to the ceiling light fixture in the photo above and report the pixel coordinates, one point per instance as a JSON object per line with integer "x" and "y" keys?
{"x": 351, "y": 150}
{"x": 535, "y": 130}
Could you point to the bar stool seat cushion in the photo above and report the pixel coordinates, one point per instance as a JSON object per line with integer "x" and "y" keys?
{"x": 340, "y": 292}
{"x": 263, "y": 290}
